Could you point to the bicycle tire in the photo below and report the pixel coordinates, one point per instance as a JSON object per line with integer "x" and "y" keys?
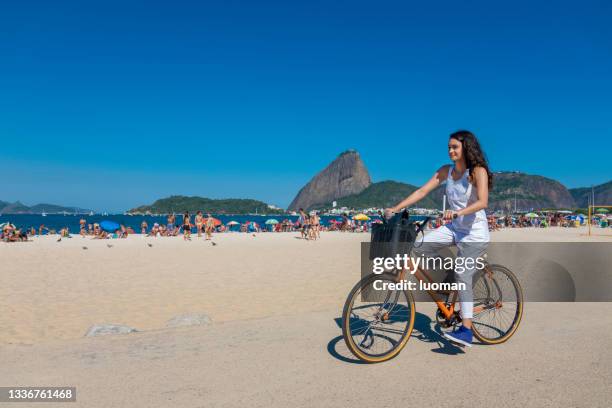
{"x": 348, "y": 321}
{"x": 492, "y": 284}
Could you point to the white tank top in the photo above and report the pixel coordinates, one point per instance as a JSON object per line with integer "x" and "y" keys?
{"x": 460, "y": 194}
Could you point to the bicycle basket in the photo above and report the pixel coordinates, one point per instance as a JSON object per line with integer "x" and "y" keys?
{"x": 396, "y": 236}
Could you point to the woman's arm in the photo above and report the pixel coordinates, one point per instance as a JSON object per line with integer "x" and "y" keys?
{"x": 481, "y": 179}
{"x": 439, "y": 176}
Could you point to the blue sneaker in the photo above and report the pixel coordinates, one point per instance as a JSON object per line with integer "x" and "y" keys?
{"x": 461, "y": 336}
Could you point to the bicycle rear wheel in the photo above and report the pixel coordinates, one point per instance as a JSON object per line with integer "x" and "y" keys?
{"x": 376, "y": 324}
{"x": 498, "y": 305}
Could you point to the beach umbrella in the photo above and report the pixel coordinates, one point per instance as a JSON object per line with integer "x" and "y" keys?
{"x": 361, "y": 217}
{"x": 216, "y": 222}
{"x": 271, "y": 221}
{"x": 233, "y": 223}
{"x": 109, "y": 226}
{"x": 602, "y": 211}
{"x": 531, "y": 215}
{"x": 4, "y": 224}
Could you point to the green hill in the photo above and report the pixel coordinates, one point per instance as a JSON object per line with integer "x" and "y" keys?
{"x": 528, "y": 191}
{"x": 179, "y": 204}
{"x": 381, "y": 194}
{"x": 19, "y": 208}
{"x": 531, "y": 192}
{"x": 15, "y": 208}
{"x": 53, "y": 208}
{"x": 603, "y": 194}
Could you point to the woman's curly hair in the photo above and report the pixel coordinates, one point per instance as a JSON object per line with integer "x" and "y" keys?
{"x": 474, "y": 156}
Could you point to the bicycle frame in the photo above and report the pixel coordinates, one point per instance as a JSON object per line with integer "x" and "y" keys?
{"x": 449, "y": 311}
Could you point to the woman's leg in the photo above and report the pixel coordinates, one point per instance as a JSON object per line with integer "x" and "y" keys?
{"x": 471, "y": 247}
{"x": 436, "y": 240}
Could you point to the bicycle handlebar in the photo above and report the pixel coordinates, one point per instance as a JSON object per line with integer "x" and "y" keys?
{"x": 420, "y": 225}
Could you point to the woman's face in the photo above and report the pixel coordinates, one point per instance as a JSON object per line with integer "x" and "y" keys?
{"x": 455, "y": 149}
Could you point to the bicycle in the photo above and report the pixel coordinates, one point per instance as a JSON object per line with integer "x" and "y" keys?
{"x": 382, "y": 334}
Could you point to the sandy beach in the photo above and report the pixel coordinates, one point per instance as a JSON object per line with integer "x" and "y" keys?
{"x": 57, "y": 290}
{"x": 274, "y": 300}
{"x": 53, "y": 291}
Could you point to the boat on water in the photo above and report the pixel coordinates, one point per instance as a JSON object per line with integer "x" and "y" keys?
{"x": 91, "y": 213}
{"x": 43, "y": 214}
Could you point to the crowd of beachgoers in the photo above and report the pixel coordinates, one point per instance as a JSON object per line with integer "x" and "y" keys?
{"x": 545, "y": 220}
{"x": 308, "y": 225}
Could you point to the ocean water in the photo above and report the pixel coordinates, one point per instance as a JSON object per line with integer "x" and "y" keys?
{"x": 58, "y": 221}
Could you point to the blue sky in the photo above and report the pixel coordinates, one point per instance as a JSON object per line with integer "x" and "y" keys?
{"x": 109, "y": 105}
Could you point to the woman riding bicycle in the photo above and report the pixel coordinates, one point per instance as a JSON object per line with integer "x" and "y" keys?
{"x": 468, "y": 182}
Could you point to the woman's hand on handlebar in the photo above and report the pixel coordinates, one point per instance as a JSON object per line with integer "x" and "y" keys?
{"x": 449, "y": 215}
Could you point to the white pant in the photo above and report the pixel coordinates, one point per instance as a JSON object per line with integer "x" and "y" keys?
{"x": 471, "y": 244}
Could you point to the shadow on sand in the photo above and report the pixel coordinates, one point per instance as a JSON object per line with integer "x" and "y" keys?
{"x": 423, "y": 331}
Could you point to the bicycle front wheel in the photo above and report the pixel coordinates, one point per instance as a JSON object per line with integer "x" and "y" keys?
{"x": 377, "y": 318}
{"x": 498, "y": 304}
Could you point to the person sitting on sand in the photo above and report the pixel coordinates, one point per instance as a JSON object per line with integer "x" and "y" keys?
{"x": 154, "y": 231}
{"x": 22, "y": 235}
{"x": 10, "y": 234}
{"x": 65, "y": 233}
{"x": 82, "y": 230}
{"x": 101, "y": 234}
{"x": 143, "y": 227}
{"x": 345, "y": 223}
{"x": 6, "y": 233}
